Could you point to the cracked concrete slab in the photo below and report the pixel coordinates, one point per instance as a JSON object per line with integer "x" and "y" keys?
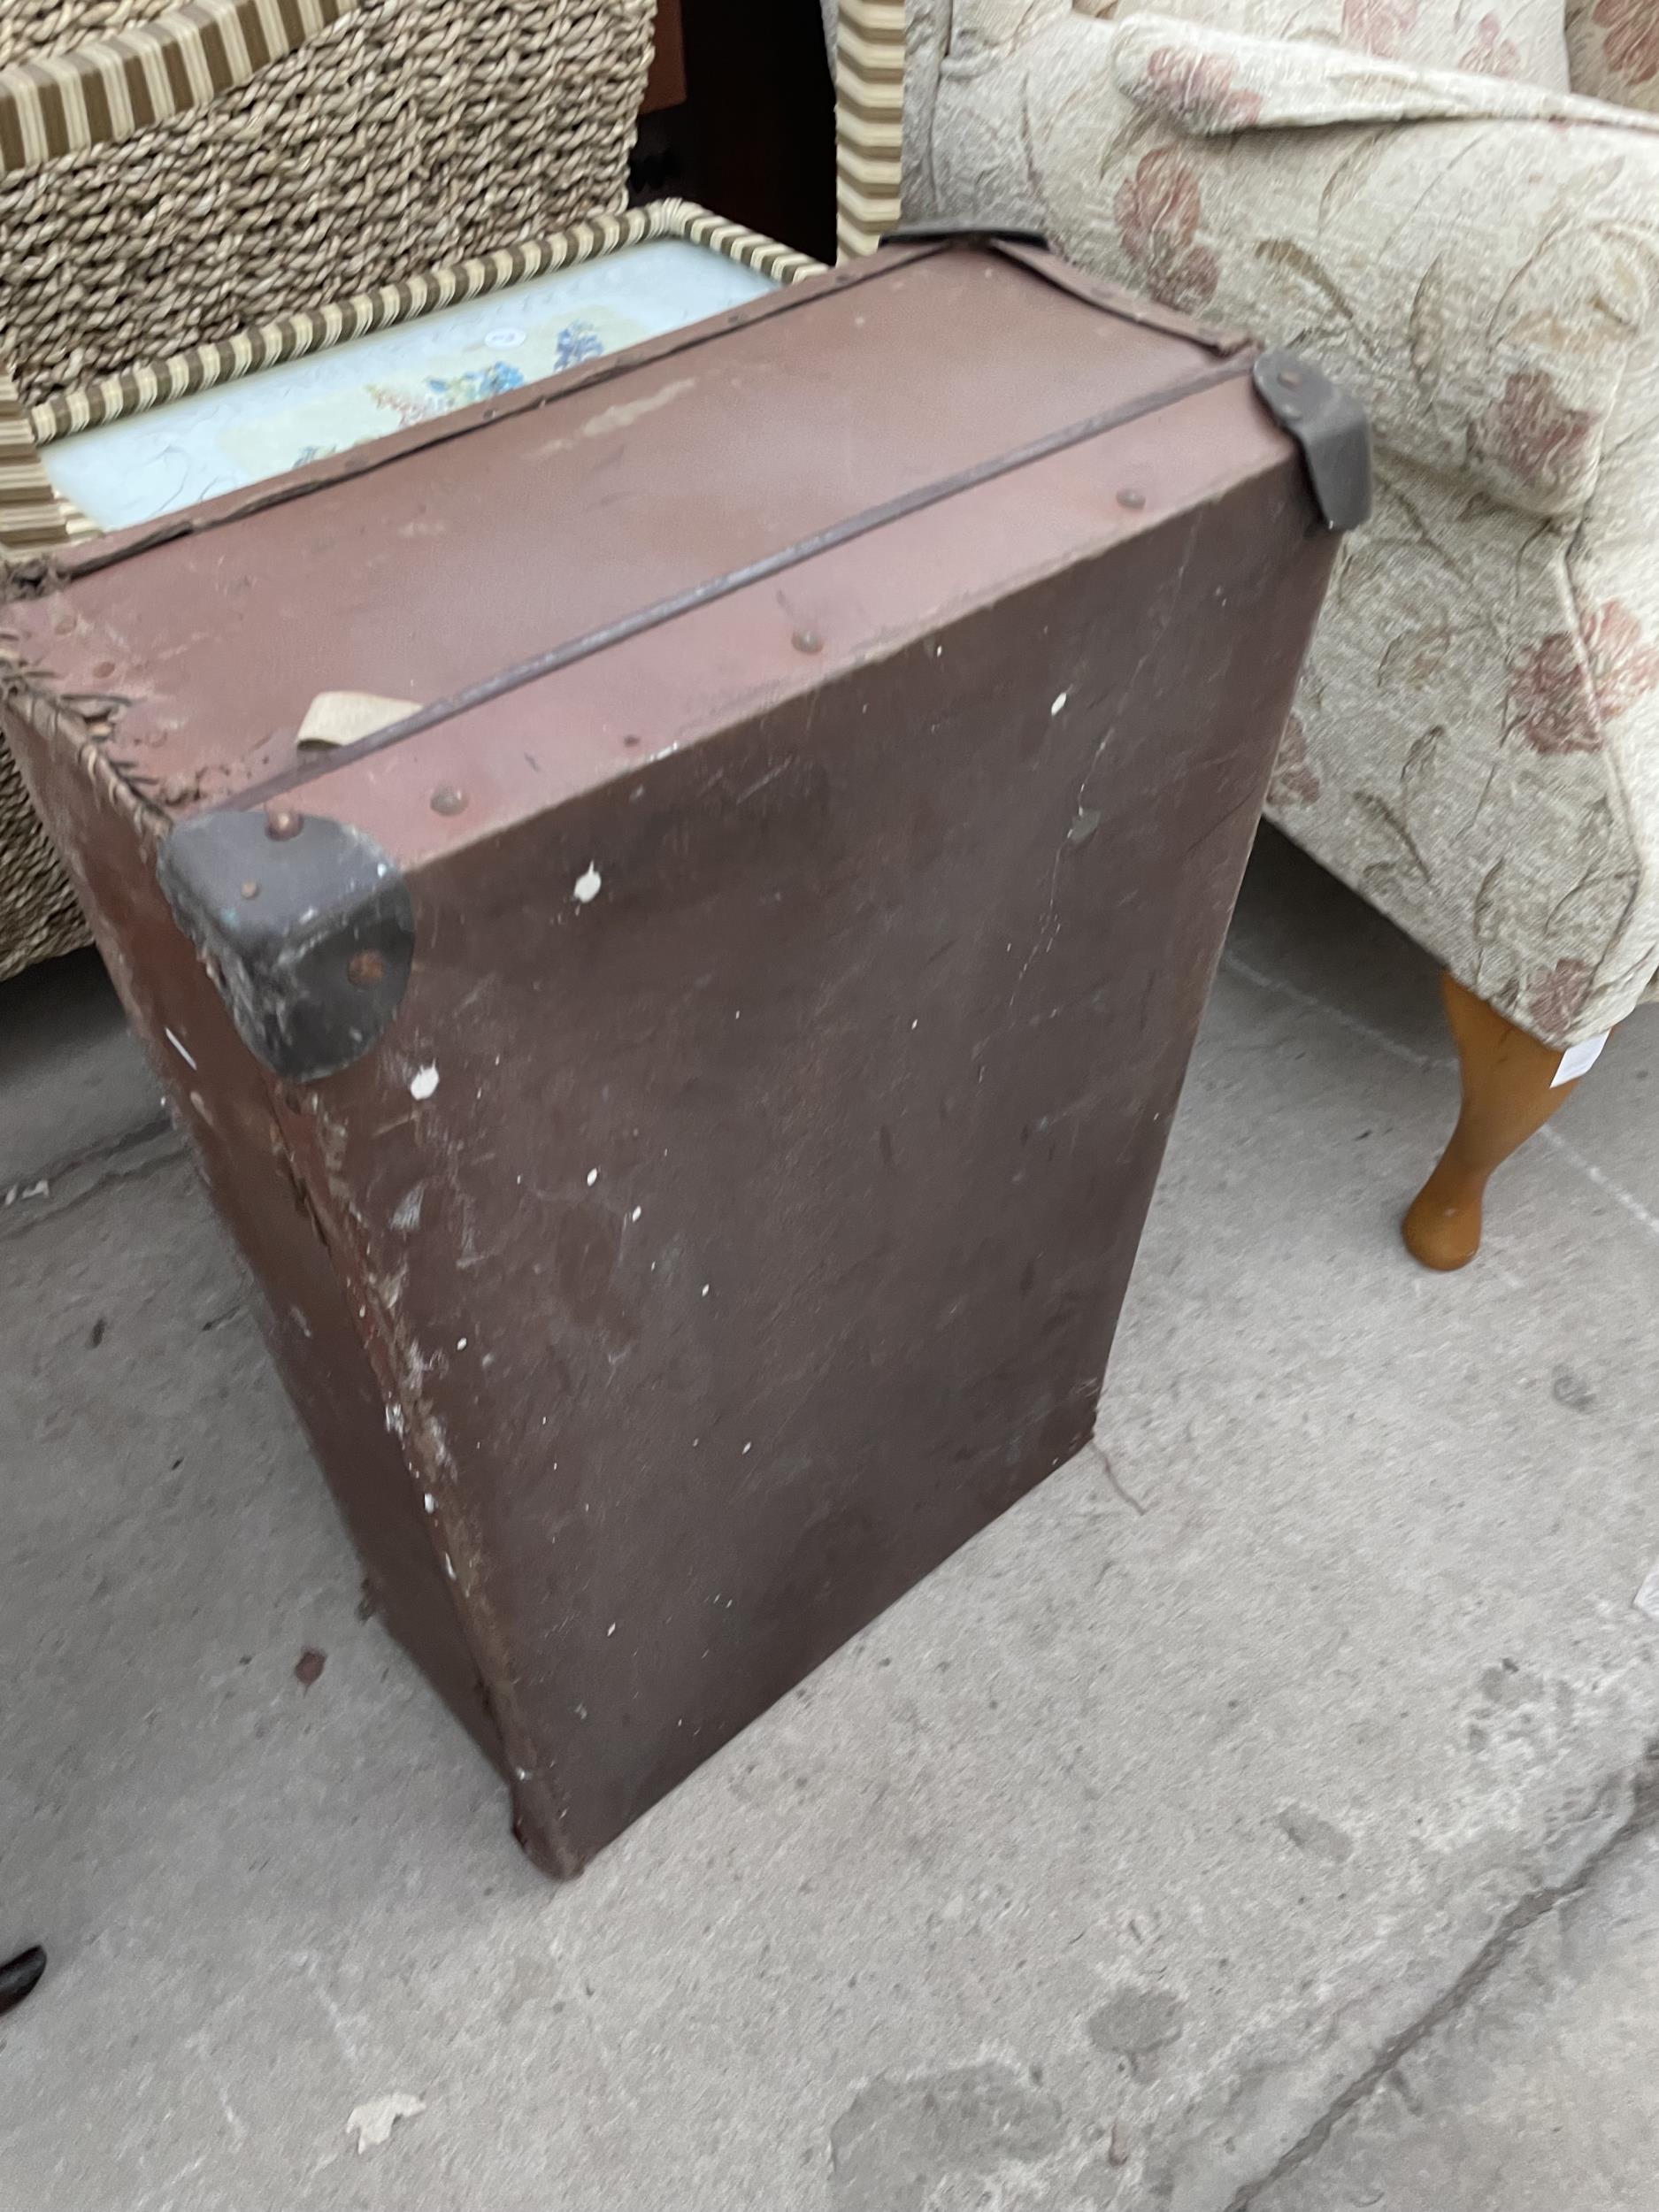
{"x": 1538, "y": 2092}
{"x": 1094, "y": 1873}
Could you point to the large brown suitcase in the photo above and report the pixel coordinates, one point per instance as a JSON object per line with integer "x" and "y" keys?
{"x": 691, "y": 1090}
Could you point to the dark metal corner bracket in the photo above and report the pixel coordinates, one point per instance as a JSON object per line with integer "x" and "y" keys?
{"x": 1330, "y": 428}
{"x": 306, "y": 926}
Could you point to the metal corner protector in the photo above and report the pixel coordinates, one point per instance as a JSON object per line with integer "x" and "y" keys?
{"x": 305, "y": 924}
{"x": 1331, "y": 427}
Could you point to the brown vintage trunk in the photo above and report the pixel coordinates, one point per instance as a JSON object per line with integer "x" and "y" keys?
{"x": 691, "y": 1093}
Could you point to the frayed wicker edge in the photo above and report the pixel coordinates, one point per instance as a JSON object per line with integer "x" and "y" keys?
{"x": 60, "y": 720}
{"x": 60, "y": 926}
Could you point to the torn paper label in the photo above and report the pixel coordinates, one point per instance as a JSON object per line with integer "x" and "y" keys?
{"x": 344, "y": 718}
{"x": 1578, "y": 1060}
{"x": 372, "y": 2123}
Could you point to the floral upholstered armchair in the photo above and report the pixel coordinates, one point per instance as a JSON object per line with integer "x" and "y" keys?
{"x": 1453, "y": 206}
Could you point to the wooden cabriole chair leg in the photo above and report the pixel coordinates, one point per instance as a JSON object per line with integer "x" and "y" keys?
{"x": 1509, "y": 1092}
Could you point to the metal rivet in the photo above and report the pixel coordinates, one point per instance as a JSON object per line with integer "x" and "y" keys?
{"x": 284, "y": 823}
{"x": 250, "y": 890}
{"x": 447, "y": 800}
{"x": 807, "y": 641}
{"x": 1132, "y": 499}
{"x": 366, "y": 969}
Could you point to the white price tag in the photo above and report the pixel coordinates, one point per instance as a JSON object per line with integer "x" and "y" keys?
{"x": 1578, "y": 1060}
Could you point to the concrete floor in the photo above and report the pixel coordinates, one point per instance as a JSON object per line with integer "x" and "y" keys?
{"x": 1539, "y": 2093}
{"x": 1137, "y": 1858}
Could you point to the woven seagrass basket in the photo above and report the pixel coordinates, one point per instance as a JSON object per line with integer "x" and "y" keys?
{"x": 173, "y": 176}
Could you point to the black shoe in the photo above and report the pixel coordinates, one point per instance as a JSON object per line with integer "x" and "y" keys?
{"x": 19, "y": 1975}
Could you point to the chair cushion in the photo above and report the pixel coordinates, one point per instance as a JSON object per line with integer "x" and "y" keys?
{"x": 1613, "y": 50}
{"x": 1524, "y": 39}
{"x": 1479, "y": 269}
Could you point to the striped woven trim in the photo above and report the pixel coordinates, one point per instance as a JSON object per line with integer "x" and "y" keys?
{"x": 869, "y": 123}
{"x": 31, "y": 513}
{"x": 112, "y": 87}
{"x": 134, "y": 390}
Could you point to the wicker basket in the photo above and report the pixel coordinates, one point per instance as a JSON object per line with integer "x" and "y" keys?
{"x": 173, "y": 176}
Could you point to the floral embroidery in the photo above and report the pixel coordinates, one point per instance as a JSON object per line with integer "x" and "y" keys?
{"x": 1199, "y": 90}
{"x": 1413, "y": 657}
{"x": 1550, "y": 700}
{"x": 1380, "y": 26}
{"x": 443, "y": 394}
{"x": 1624, "y": 668}
{"x": 1630, "y": 38}
{"x": 1158, "y": 212}
{"x": 579, "y": 341}
{"x": 1529, "y": 434}
{"x": 1295, "y": 780}
{"x": 1556, "y": 996}
{"x": 1559, "y": 699}
{"x": 1491, "y": 54}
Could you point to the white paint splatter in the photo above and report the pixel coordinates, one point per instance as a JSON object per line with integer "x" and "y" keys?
{"x": 629, "y": 411}
{"x": 430, "y": 1503}
{"x": 635, "y": 1216}
{"x": 705, "y": 1290}
{"x": 1059, "y": 704}
{"x": 611, "y": 1630}
{"x": 372, "y": 2123}
{"x": 587, "y": 886}
{"x": 423, "y": 1082}
{"x": 448, "y": 1566}
{"x": 182, "y": 1048}
{"x": 593, "y": 1177}
{"x": 749, "y": 1446}
{"x": 460, "y": 1343}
